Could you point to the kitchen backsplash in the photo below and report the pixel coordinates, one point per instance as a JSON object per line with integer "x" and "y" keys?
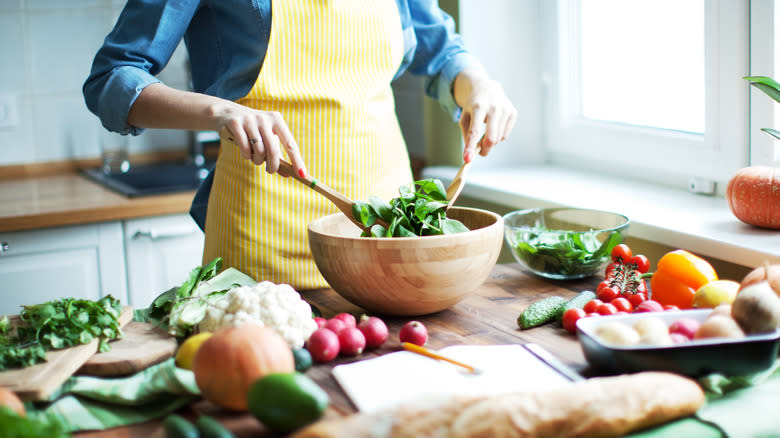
{"x": 47, "y": 48}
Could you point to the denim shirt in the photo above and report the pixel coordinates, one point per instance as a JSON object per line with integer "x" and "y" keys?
{"x": 227, "y": 41}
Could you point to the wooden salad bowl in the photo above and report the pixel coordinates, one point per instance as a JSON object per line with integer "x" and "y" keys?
{"x": 406, "y": 276}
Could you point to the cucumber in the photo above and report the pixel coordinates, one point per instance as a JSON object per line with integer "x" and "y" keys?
{"x": 177, "y": 426}
{"x": 211, "y": 428}
{"x": 540, "y": 312}
{"x": 576, "y": 302}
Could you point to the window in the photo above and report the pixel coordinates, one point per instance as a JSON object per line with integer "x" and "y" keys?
{"x": 650, "y": 89}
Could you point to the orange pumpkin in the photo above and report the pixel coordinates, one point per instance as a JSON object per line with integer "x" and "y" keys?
{"x": 233, "y": 358}
{"x": 9, "y": 399}
{"x": 753, "y": 194}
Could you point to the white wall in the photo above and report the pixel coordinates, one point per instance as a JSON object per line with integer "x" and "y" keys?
{"x": 47, "y": 48}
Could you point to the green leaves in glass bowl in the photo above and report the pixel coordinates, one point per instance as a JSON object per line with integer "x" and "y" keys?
{"x": 573, "y": 254}
{"x": 420, "y": 210}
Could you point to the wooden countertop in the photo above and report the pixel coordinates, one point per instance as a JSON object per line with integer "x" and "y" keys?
{"x": 69, "y": 198}
{"x": 488, "y": 316}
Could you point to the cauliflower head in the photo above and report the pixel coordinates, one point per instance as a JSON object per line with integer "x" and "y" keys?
{"x": 277, "y": 306}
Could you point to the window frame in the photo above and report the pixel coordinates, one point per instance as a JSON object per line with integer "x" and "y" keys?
{"x": 654, "y": 155}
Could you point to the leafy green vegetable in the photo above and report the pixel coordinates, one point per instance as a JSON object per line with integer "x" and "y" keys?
{"x": 564, "y": 253}
{"x": 182, "y": 308}
{"x": 55, "y": 325}
{"x": 419, "y": 210}
{"x": 16, "y": 426}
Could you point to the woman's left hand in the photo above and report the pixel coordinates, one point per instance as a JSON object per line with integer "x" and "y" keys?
{"x": 488, "y": 115}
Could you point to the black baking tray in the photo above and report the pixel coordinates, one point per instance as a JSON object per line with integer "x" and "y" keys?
{"x": 730, "y": 357}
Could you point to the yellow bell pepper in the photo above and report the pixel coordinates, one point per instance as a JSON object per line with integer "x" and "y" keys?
{"x": 678, "y": 275}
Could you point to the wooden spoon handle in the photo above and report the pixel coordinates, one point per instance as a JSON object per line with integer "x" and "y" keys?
{"x": 456, "y": 186}
{"x": 286, "y": 169}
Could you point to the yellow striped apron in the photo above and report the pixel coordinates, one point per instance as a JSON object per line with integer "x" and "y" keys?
{"x": 327, "y": 70}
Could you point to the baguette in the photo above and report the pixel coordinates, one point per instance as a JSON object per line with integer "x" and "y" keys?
{"x": 598, "y": 407}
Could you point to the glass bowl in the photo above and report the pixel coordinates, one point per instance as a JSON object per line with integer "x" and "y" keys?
{"x": 563, "y": 243}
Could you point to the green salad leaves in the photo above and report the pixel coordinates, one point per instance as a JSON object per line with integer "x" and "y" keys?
{"x": 568, "y": 253}
{"x": 420, "y": 210}
{"x": 55, "y": 325}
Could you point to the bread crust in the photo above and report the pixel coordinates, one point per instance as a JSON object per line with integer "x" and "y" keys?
{"x": 597, "y": 407}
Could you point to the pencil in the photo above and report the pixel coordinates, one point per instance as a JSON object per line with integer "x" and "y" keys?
{"x": 408, "y": 346}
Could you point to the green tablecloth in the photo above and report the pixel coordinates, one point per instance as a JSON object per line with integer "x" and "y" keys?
{"x": 91, "y": 403}
{"x": 737, "y": 407}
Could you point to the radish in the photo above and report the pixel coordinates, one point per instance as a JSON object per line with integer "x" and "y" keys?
{"x": 348, "y": 318}
{"x": 335, "y": 325}
{"x": 352, "y": 341}
{"x": 414, "y": 332}
{"x": 685, "y": 326}
{"x": 374, "y": 329}
{"x": 323, "y": 345}
{"x": 320, "y": 321}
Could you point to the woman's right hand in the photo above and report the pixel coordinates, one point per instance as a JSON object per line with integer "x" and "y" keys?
{"x": 260, "y": 135}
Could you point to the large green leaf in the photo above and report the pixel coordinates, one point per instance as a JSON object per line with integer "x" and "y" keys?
{"x": 773, "y": 132}
{"x": 765, "y": 84}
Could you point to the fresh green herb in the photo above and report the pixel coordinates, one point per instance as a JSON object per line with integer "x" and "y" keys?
{"x": 420, "y": 210}
{"x": 14, "y": 425}
{"x": 565, "y": 253}
{"x": 56, "y": 325}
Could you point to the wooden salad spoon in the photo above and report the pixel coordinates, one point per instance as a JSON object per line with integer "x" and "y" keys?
{"x": 343, "y": 203}
{"x": 456, "y": 186}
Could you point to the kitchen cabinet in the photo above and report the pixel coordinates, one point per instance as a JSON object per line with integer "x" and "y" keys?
{"x": 84, "y": 261}
{"x": 160, "y": 251}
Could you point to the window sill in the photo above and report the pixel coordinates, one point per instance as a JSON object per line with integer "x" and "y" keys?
{"x": 701, "y": 224}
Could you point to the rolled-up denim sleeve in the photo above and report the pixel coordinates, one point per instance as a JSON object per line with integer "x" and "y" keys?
{"x": 140, "y": 45}
{"x": 440, "y": 53}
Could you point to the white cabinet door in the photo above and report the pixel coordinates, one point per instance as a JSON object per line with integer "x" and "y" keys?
{"x": 161, "y": 251}
{"x": 85, "y": 261}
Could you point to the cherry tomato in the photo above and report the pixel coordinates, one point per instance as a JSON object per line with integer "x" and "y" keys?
{"x": 602, "y": 285}
{"x": 592, "y": 305}
{"x": 640, "y": 262}
{"x": 637, "y": 298}
{"x": 670, "y": 307}
{"x": 610, "y": 271}
{"x": 570, "y": 318}
{"x": 606, "y": 309}
{"x": 621, "y": 252}
{"x": 608, "y": 293}
{"x": 590, "y": 315}
{"x": 622, "y": 304}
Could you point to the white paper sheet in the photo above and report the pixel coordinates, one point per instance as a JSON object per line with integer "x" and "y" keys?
{"x": 376, "y": 383}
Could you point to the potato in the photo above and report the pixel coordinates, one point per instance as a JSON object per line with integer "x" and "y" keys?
{"x": 617, "y": 333}
{"x": 719, "y": 326}
{"x": 653, "y": 331}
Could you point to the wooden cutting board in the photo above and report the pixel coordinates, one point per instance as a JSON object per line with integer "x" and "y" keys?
{"x": 142, "y": 345}
{"x": 37, "y": 382}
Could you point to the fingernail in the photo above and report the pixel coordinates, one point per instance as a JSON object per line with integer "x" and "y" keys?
{"x": 302, "y": 172}
{"x": 468, "y": 157}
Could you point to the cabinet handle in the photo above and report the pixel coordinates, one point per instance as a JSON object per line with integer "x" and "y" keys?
{"x": 4, "y": 247}
{"x": 165, "y": 233}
